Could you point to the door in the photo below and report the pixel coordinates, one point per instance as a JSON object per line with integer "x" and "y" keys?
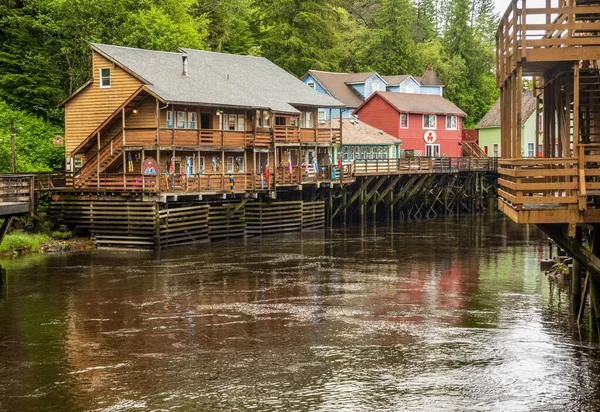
{"x": 432, "y": 150}
{"x": 205, "y": 121}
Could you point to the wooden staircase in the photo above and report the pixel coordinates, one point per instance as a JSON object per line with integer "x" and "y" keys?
{"x": 107, "y": 155}
{"x": 472, "y": 149}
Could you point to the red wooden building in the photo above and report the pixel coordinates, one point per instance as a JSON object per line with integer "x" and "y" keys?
{"x": 428, "y": 125}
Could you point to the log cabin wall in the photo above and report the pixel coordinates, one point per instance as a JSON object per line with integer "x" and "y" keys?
{"x": 88, "y": 109}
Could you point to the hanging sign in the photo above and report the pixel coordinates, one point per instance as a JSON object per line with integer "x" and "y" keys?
{"x": 429, "y": 137}
{"x": 150, "y": 166}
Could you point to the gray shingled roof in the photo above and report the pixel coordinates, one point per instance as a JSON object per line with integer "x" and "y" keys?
{"x": 395, "y": 80}
{"x": 336, "y": 84}
{"x": 218, "y": 79}
{"x": 492, "y": 117}
{"x": 419, "y": 103}
{"x": 358, "y": 132}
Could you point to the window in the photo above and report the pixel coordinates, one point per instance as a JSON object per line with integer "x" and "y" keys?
{"x": 105, "y": 78}
{"x": 432, "y": 150}
{"x": 201, "y": 164}
{"x": 241, "y": 122}
{"x": 429, "y": 121}
{"x": 495, "y": 150}
{"x": 229, "y": 164}
{"x": 239, "y": 164}
{"x": 181, "y": 120}
{"x": 375, "y": 86}
{"x": 264, "y": 118}
{"x": 191, "y": 120}
{"x": 232, "y": 122}
{"x": 345, "y": 154}
{"x": 322, "y": 115}
{"x": 306, "y": 120}
{"x": 294, "y": 122}
{"x": 279, "y": 121}
{"x": 404, "y": 120}
{"x": 451, "y": 123}
{"x": 530, "y": 149}
{"x": 311, "y": 85}
{"x": 189, "y": 165}
{"x": 169, "y": 120}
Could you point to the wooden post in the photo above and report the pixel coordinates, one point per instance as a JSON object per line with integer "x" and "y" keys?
{"x": 123, "y": 126}
{"x": 576, "y": 110}
{"x": 576, "y": 279}
{"x": 158, "y": 146}
{"x": 519, "y": 119}
{"x": 142, "y": 171}
{"x": 124, "y": 169}
{"x": 98, "y": 162}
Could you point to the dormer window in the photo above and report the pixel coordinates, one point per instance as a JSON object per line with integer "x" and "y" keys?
{"x": 105, "y": 78}
{"x": 311, "y": 85}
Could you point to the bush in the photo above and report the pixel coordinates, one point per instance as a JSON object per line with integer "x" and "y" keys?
{"x": 57, "y": 234}
{"x": 20, "y": 240}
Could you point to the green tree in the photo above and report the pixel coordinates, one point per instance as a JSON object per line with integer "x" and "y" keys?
{"x": 301, "y": 35}
{"x": 35, "y": 149}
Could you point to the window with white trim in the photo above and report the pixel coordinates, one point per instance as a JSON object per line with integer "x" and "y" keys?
{"x": 322, "y": 115}
{"x": 429, "y": 121}
{"x": 191, "y": 120}
{"x": 241, "y": 122}
{"x": 181, "y": 120}
{"x": 105, "y": 78}
{"x": 169, "y": 122}
{"x": 404, "y": 120}
{"x": 229, "y": 164}
{"x": 530, "y": 149}
{"x": 451, "y": 123}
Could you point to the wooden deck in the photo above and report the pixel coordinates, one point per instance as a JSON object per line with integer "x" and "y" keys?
{"x": 557, "y": 42}
{"x": 16, "y": 195}
{"x": 285, "y": 177}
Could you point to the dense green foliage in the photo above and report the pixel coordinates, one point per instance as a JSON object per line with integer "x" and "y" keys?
{"x": 21, "y": 240}
{"x": 44, "y": 46}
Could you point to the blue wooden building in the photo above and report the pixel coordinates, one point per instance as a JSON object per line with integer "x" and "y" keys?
{"x": 354, "y": 88}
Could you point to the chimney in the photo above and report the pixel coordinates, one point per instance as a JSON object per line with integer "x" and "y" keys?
{"x": 184, "y": 57}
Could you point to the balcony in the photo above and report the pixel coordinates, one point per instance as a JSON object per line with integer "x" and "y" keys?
{"x": 537, "y": 34}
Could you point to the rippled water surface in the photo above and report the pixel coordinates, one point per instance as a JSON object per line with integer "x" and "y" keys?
{"x": 447, "y": 314}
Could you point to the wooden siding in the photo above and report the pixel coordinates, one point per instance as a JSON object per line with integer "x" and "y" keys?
{"x": 85, "y": 111}
{"x": 449, "y": 140}
{"x": 378, "y": 113}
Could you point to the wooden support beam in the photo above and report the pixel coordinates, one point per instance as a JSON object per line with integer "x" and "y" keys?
{"x": 355, "y": 196}
{"x": 384, "y": 193}
{"x": 558, "y": 233}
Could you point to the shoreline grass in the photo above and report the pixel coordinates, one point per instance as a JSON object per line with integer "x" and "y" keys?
{"x": 20, "y": 240}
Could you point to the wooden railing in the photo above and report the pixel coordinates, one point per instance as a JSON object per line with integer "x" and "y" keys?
{"x": 538, "y": 181}
{"x": 286, "y": 134}
{"x": 424, "y": 165}
{"x": 17, "y": 188}
{"x": 201, "y": 137}
{"x": 110, "y": 149}
{"x": 538, "y": 34}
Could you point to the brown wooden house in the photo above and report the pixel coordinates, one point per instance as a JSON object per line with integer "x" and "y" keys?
{"x": 194, "y": 122}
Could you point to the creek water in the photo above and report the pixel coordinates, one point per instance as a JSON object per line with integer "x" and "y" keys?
{"x": 446, "y": 314}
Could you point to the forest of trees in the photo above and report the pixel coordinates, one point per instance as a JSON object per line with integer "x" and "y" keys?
{"x": 44, "y": 48}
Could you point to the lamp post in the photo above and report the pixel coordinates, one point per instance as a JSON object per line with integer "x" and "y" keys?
{"x": 13, "y": 133}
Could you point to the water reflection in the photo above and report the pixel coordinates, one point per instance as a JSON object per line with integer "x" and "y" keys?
{"x": 437, "y": 315}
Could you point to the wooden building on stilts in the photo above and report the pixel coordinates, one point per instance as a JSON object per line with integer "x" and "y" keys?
{"x": 555, "y": 45}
